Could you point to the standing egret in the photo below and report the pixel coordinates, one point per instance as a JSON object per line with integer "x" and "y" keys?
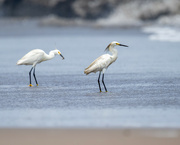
{"x": 103, "y": 62}
{"x": 37, "y": 56}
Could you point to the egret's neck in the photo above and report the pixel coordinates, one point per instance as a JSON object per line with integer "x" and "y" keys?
{"x": 50, "y": 56}
{"x": 114, "y": 52}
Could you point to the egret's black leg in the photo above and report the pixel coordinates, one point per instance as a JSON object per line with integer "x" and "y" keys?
{"x": 103, "y": 82}
{"x": 99, "y": 81}
{"x": 30, "y": 77}
{"x": 35, "y": 77}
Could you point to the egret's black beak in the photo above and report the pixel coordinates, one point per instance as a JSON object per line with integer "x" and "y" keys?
{"x": 123, "y": 45}
{"x": 61, "y": 56}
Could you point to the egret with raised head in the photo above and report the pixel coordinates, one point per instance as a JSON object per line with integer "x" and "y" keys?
{"x": 37, "y": 56}
{"x": 103, "y": 62}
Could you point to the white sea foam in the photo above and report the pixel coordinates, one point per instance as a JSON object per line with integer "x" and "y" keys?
{"x": 139, "y": 13}
{"x": 163, "y": 33}
{"x": 128, "y": 14}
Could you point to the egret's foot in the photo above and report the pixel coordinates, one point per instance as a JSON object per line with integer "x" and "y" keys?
{"x": 37, "y": 85}
{"x": 106, "y": 91}
{"x": 30, "y": 85}
{"x": 100, "y": 91}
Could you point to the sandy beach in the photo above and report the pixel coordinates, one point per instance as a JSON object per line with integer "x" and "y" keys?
{"x": 89, "y": 136}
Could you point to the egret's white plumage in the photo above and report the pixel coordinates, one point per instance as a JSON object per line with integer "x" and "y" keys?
{"x": 100, "y": 63}
{"x": 104, "y": 61}
{"x": 37, "y": 56}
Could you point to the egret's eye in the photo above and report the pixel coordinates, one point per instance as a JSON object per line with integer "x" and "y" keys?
{"x": 117, "y": 44}
{"x": 59, "y": 52}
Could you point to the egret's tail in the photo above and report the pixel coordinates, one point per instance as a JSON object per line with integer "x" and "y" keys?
{"x": 86, "y": 71}
{"x": 19, "y": 62}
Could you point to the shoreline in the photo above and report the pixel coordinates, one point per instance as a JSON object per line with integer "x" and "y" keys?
{"x": 46, "y": 136}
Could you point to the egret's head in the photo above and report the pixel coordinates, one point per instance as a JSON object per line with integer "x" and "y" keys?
{"x": 57, "y": 52}
{"x": 113, "y": 44}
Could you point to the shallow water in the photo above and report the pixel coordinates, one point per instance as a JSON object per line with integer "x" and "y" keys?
{"x": 143, "y": 84}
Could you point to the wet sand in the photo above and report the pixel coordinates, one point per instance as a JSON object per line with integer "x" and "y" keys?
{"x": 89, "y": 136}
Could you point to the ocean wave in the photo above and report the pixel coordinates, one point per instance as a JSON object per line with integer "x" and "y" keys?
{"x": 99, "y": 13}
{"x": 128, "y": 14}
{"x": 163, "y": 33}
{"x": 139, "y": 13}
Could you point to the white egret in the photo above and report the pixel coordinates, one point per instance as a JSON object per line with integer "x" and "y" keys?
{"x": 103, "y": 62}
{"x": 37, "y": 56}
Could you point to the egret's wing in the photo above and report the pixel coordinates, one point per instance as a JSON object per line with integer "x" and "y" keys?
{"x": 97, "y": 65}
{"x": 31, "y": 57}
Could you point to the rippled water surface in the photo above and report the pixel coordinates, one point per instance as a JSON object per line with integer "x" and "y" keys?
{"x": 143, "y": 84}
